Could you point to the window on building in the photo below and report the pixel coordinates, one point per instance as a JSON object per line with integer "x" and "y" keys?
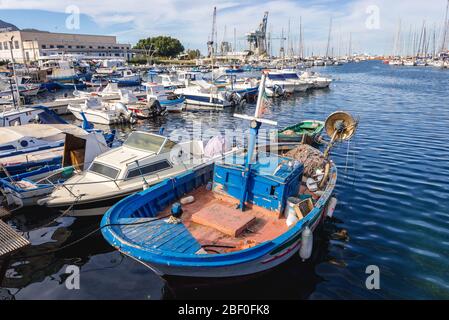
{"x": 52, "y": 46}
{"x": 44, "y": 46}
{"x": 60, "y": 47}
{"x": 16, "y": 44}
{"x": 90, "y": 47}
{"x": 5, "y": 44}
{"x": 70, "y": 47}
{"x": 1, "y": 45}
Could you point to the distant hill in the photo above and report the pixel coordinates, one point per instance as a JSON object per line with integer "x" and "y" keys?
{"x": 34, "y": 30}
{"x": 5, "y": 26}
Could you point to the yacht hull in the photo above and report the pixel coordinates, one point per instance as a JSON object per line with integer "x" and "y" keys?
{"x": 95, "y": 116}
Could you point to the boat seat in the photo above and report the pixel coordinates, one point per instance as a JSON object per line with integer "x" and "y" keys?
{"x": 160, "y": 235}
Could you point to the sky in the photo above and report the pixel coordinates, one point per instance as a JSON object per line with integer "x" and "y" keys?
{"x": 373, "y": 24}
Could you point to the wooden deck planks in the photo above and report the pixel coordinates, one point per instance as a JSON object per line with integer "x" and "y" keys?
{"x": 161, "y": 235}
{"x": 10, "y": 240}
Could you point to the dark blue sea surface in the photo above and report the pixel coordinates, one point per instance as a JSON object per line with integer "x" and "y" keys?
{"x": 393, "y": 206}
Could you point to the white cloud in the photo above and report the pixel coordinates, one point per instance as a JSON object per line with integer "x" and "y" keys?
{"x": 191, "y": 20}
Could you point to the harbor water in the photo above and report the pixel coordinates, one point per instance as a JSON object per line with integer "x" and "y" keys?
{"x": 392, "y": 212}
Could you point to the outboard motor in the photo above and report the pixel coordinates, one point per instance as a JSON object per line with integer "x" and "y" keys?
{"x": 278, "y": 90}
{"x": 127, "y": 115}
{"x": 156, "y": 109}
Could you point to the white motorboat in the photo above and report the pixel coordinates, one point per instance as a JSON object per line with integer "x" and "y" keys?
{"x": 79, "y": 150}
{"x": 203, "y": 95}
{"x": 317, "y": 81}
{"x": 30, "y": 146}
{"x": 16, "y": 116}
{"x": 102, "y": 112}
{"x": 409, "y": 63}
{"x": 277, "y": 79}
{"x": 170, "y": 83}
{"x": 301, "y": 85}
{"x": 395, "y": 62}
{"x": 144, "y": 108}
{"x": 171, "y": 102}
{"x": 143, "y": 160}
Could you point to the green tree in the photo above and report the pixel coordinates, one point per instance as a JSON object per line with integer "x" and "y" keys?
{"x": 193, "y": 54}
{"x": 162, "y": 45}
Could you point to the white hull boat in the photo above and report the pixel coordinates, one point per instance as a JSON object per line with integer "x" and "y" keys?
{"x": 143, "y": 160}
{"x": 97, "y": 111}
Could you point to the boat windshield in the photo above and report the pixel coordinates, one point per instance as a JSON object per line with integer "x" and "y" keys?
{"x": 148, "y": 142}
{"x": 273, "y": 76}
{"x": 104, "y": 170}
{"x": 290, "y": 76}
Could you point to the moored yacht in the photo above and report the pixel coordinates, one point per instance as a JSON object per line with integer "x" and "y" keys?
{"x": 317, "y": 81}
{"x": 277, "y": 78}
{"x": 301, "y": 85}
{"x": 203, "y": 95}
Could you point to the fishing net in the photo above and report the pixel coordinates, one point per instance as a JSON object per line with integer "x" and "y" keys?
{"x": 311, "y": 158}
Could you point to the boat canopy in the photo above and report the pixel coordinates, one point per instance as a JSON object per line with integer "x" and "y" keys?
{"x": 38, "y": 131}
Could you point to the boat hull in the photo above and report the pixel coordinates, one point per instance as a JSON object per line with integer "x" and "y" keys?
{"x": 95, "y": 116}
{"x": 262, "y": 257}
{"x": 200, "y": 102}
{"x": 264, "y": 263}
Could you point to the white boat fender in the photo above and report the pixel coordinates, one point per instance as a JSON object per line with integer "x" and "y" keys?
{"x": 331, "y": 207}
{"x": 306, "y": 244}
{"x": 187, "y": 200}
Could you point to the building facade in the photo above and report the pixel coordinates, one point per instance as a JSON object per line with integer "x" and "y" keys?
{"x": 28, "y": 46}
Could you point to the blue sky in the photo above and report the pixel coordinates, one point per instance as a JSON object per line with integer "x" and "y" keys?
{"x": 191, "y": 20}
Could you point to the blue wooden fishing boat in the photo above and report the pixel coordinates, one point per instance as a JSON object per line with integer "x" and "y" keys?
{"x": 245, "y": 214}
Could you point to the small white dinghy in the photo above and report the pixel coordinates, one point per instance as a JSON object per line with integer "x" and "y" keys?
{"x": 98, "y": 111}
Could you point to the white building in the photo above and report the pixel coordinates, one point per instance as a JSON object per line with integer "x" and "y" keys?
{"x": 30, "y": 45}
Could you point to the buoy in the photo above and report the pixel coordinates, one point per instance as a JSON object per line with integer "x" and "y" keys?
{"x": 331, "y": 207}
{"x": 306, "y": 244}
{"x": 187, "y": 200}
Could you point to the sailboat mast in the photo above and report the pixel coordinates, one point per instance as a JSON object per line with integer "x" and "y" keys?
{"x": 329, "y": 38}
{"x": 445, "y": 28}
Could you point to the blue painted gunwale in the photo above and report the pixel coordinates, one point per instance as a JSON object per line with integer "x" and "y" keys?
{"x": 134, "y": 202}
{"x": 19, "y": 168}
{"x": 172, "y": 102}
{"x": 5, "y": 182}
